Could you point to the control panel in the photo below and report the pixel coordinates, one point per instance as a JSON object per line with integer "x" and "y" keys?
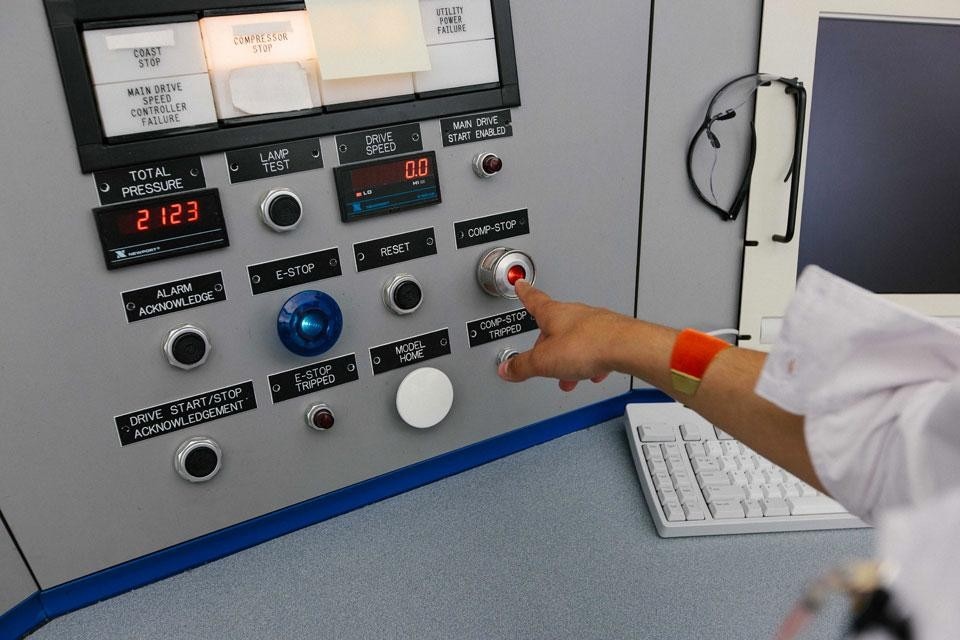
{"x": 254, "y": 257}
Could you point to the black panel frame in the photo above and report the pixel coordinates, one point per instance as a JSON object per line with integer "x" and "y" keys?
{"x": 68, "y": 17}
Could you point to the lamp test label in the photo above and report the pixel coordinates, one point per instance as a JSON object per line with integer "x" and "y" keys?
{"x": 476, "y": 127}
{"x": 294, "y": 271}
{"x": 146, "y": 180}
{"x": 312, "y": 378}
{"x": 271, "y": 160}
{"x": 410, "y": 351}
{"x": 187, "y": 412}
{"x": 383, "y": 252}
{"x": 499, "y": 226}
{"x": 500, "y": 326}
{"x": 161, "y": 299}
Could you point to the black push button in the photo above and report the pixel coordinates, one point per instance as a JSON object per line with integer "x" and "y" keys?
{"x": 285, "y": 211}
{"x": 407, "y": 295}
{"x": 281, "y": 210}
{"x": 189, "y": 348}
{"x": 201, "y": 462}
{"x": 402, "y": 294}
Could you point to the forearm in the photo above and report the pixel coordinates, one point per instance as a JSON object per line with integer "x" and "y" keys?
{"x": 725, "y": 397}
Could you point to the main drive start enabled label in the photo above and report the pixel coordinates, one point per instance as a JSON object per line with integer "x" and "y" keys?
{"x": 312, "y": 378}
{"x": 500, "y": 326}
{"x": 476, "y": 231}
{"x": 161, "y": 299}
{"x": 409, "y": 351}
{"x": 186, "y": 412}
{"x": 476, "y": 127}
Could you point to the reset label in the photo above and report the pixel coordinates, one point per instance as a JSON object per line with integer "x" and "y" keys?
{"x": 161, "y": 299}
{"x": 187, "y": 412}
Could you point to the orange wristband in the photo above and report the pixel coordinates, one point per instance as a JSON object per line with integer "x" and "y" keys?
{"x": 692, "y": 353}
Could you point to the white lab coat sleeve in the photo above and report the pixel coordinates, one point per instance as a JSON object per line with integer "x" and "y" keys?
{"x": 867, "y": 375}
{"x": 918, "y": 546}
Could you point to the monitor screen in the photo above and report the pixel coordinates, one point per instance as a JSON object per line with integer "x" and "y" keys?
{"x": 881, "y": 200}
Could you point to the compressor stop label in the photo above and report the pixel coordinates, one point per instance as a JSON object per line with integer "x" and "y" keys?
{"x": 186, "y": 412}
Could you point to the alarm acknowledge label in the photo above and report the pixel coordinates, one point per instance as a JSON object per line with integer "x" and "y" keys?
{"x": 161, "y": 299}
{"x": 187, "y": 412}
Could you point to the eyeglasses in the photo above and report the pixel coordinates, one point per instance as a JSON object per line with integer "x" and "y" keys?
{"x": 726, "y": 104}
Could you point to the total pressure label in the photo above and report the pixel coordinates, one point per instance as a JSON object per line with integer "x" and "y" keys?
{"x": 500, "y": 326}
{"x": 382, "y": 252}
{"x": 312, "y": 378}
{"x": 294, "y": 271}
{"x": 186, "y": 412}
{"x": 161, "y": 299}
{"x": 274, "y": 160}
{"x": 491, "y": 228}
{"x": 147, "y": 180}
{"x": 379, "y": 143}
{"x": 410, "y": 351}
{"x": 476, "y": 127}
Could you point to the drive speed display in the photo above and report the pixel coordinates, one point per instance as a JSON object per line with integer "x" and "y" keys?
{"x": 159, "y": 228}
{"x": 387, "y": 186}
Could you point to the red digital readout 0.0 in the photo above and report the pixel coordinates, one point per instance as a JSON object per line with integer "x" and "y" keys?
{"x": 167, "y": 215}
{"x": 390, "y": 173}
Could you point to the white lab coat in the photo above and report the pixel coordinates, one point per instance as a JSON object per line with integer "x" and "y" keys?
{"x": 879, "y": 388}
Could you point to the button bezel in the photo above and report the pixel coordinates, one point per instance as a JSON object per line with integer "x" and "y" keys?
{"x": 171, "y": 339}
{"x": 390, "y": 287}
{"x": 269, "y": 199}
{"x": 184, "y": 450}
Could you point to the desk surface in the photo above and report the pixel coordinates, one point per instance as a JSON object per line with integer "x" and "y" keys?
{"x": 553, "y": 542}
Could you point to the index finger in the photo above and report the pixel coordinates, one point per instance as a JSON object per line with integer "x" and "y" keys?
{"x": 531, "y": 297}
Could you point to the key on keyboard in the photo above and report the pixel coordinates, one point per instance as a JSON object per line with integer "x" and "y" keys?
{"x": 698, "y": 480}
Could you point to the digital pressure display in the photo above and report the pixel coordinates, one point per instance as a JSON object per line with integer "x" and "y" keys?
{"x": 387, "y": 186}
{"x": 159, "y": 228}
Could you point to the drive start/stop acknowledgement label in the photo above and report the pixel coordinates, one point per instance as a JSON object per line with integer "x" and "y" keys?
{"x": 186, "y": 412}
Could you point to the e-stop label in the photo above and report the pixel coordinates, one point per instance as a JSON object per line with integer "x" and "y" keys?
{"x": 294, "y": 271}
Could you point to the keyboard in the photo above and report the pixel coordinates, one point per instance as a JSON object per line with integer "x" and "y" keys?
{"x": 699, "y": 481}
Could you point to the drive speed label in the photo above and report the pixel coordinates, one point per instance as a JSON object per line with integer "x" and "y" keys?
{"x": 500, "y": 326}
{"x": 491, "y": 228}
{"x": 168, "y": 297}
{"x": 186, "y": 412}
{"x": 311, "y": 378}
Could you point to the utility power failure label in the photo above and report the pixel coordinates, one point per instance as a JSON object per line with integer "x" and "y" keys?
{"x": 187, "y": 412}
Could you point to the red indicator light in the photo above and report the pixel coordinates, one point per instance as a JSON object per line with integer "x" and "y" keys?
{"x": 514, "y": 273}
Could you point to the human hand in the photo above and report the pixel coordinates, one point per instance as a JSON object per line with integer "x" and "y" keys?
{"x": 574, "y": 342}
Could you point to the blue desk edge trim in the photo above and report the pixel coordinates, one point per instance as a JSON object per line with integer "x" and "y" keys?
{"x": 48, "y": 604}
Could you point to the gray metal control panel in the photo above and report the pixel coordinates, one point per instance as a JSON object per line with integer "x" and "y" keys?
{"x": 232, "y": 286}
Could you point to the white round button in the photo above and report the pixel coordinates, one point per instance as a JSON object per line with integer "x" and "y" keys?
{"x": 424, "y": 397}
